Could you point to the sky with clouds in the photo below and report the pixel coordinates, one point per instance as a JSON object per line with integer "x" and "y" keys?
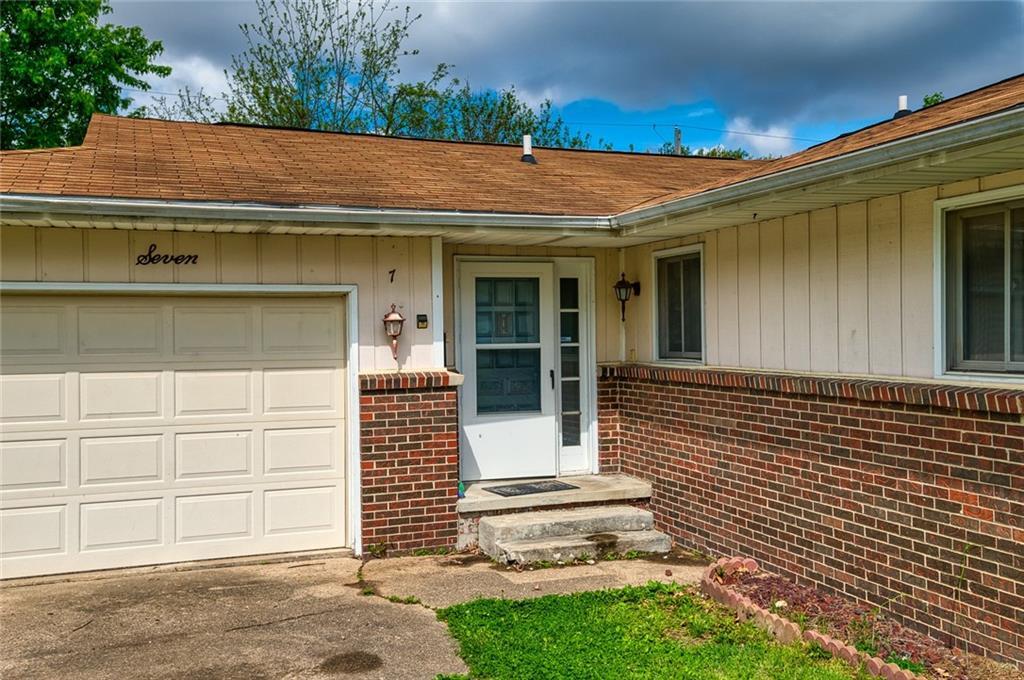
{"x": 772, "y": 77}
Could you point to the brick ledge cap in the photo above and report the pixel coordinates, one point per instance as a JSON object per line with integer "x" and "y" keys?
{"x": 409, "y": 380}
{"x": 901, "y": 391}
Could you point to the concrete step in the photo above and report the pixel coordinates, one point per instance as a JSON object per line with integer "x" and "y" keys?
{"x": 528, "y": 526}
{"x": 575, "y": 547}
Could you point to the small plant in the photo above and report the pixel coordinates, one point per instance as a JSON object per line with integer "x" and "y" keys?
{"x": 427, "y": 552}
{"x": 861, "y": 633}
{"x": 378, "y": 550}
{"x": 409, "y": 599}
{"x": 906, "y": 663}
{"x": 367, "y": 591}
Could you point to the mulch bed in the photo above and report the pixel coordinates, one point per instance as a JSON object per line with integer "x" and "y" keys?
{"x": 866, "y": 628}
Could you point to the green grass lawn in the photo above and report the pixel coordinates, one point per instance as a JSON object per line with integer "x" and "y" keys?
{"x": 653, "y": 631}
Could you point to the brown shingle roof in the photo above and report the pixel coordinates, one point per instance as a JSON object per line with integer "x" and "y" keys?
{"x": 153, "y": 159}
{"x": 1001, "y": 96}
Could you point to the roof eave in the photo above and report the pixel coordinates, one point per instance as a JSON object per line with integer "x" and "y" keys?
{"x": 977, "y": 131}
{"x": 348, "y": 216}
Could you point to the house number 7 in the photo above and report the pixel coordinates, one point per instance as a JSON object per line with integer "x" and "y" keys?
{"x": 391, "y": 273}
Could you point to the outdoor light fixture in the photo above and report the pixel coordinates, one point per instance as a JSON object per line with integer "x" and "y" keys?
{"x": 393, "y": 327}
{"x": 624, "y": 290}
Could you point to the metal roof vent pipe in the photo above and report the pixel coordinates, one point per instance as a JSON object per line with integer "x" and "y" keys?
{"x": 528, "y": 150}
{"x": 902, "y": 109}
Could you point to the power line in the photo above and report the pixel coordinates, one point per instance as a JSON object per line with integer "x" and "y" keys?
{"x": 693, "y": 127}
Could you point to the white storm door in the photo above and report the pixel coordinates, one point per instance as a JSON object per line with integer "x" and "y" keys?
{"x": 507, "y": 345}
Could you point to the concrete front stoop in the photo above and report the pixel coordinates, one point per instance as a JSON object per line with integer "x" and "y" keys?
{"x": 567, "y": 535}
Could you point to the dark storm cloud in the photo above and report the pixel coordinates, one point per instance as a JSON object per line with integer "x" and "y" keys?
{"x": 768, "y": 62}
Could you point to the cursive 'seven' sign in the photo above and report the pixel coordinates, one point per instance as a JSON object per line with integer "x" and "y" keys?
{"x": 153, "y": 257}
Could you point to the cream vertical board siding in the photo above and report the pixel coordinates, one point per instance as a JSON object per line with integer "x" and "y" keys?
{"x": 94, "y": 255}
{"x": 17, "y": 254}
{"x": 846, "y": 289}
{"x": 916, "y": 277}
{"x": 728, "y": 298}
{"x": 749, "y": 278}
{"x": 885, "y": 339}
{"x": 772, "y": 271}
{"x": 823, "y": 294}
{"x": 852, "y": 272}
{"x": 796, "y": 292}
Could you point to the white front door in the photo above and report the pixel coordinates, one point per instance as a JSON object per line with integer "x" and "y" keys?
{"x": 507, "y": 344}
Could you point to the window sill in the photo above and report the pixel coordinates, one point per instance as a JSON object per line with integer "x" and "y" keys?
{"x": 979, "y": 377}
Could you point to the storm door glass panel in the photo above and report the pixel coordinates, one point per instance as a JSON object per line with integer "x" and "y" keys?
{"x": 508, "y": 345}
{"x": 569, "y": 341}
{"x": 984, "y": 287}
{"x": 1017, "y": 284}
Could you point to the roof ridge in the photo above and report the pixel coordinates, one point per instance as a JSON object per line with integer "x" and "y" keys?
{"x": 429, "y": 140}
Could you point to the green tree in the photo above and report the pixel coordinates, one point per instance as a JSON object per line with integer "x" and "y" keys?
{"x": 719, "y": 151}
{"x": 330, "y": 65}
{"x": 60, "y": 65}
{"x": 933, "y": 99}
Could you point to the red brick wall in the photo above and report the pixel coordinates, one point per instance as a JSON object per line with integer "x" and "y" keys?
{"x": 870, "y": 489}
{"x": 410, "y": 460}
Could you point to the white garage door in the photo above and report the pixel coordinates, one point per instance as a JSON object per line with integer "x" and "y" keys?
{"x": 139, "y": 430}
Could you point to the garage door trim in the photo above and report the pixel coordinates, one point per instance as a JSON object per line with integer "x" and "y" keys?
{"x": 351, "y": 291}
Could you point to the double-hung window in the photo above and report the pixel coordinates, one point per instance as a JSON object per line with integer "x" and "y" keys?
{"x": 985, "y": 288}
{"x": 680, "y": 326}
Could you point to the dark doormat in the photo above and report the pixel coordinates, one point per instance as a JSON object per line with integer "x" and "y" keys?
{"x": 527, "y": 488}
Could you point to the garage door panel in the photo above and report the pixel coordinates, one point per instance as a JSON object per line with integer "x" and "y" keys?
{"x": 110, "y": 330}
{"x": 142, "y": 430}
{"x": 115, "y": 396}
{"x": 213, "y": 330}
{"x": 301, "y": 390}
{"x": 213, "y": 455}
{"x": 120, "y": 460}
{"x": 213, "y": 393}
{"x": 34, "y": 331}
{"x": 33, "y": 531}
{"x": 214, "y": 517}
{"x": 299, "y": 331}
{"x": 33, "y": 398}
{"x": 300, "y": 450}
{"x": 301, "y": 510}
{"x": 121, "y": 524}
{"x": 36, "y": 464}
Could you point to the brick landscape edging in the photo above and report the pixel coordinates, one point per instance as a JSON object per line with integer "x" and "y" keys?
{"x": 409, "y": 460}
{"x": 784, "y": 630}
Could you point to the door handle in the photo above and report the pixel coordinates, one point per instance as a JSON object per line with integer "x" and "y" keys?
{"x": 552, "y": 374}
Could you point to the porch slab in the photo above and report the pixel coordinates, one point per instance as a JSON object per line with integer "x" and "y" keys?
{"x": 592, "y": 489}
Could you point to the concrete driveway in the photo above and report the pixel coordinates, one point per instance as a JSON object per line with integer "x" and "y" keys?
{"x": 291, "y": 620}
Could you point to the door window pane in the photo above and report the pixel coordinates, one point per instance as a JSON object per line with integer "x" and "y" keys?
{"x": 571, "y": 396}
{"x": 508, "y": 380}
{"x": 507, "y": 310}
{"x": 571, "y": 429}
{"x": 984, "y": 287}
{"x": 570, "y": 326}
{"x": 680, "y": 333}
{"x": 570, "y": 362}
{"x": 569, "y": 293}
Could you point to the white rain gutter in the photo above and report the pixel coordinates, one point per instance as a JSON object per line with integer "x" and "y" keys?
{"x": 988, "y": 129}
{"x": 372, "y": 217}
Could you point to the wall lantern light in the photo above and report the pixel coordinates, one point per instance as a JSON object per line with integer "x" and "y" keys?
{"x": 393, "y": 327}
{"x": 624, "y": 290}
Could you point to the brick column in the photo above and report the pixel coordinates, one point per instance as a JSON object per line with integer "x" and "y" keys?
{"x": 409, "y": 434}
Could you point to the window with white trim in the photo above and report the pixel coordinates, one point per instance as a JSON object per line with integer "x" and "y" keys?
{"x": 680, "y": 306}
{"x": 985, "y": 288}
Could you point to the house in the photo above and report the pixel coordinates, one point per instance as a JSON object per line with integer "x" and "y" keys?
{"x": 817, "y": 361}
